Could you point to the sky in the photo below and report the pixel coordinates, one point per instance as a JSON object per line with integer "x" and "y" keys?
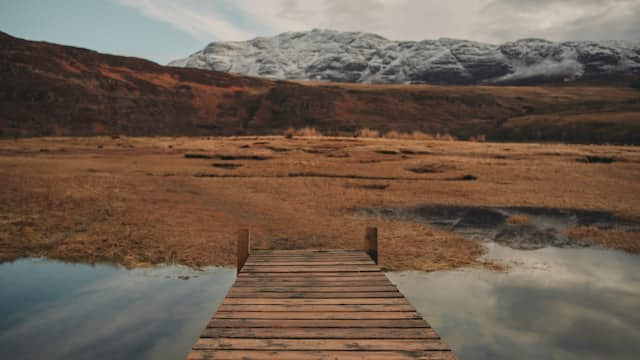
{"x": 165, "y": 30}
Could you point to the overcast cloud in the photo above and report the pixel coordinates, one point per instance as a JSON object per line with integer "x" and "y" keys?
{"x": 482, "y": 20}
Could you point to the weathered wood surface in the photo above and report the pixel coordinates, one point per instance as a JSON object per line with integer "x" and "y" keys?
{"x": 306, "y": 304}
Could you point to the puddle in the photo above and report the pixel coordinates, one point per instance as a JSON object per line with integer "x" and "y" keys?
{"x": 555, "y": 304}
{"x": 55, "y": 310}
{"x": 543, "y": 226}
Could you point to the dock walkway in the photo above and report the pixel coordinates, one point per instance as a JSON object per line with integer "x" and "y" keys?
{"x": 313, "y": 304}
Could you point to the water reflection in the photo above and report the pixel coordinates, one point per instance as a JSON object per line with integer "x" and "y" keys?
{"x": 57, "y": 310}
{"x": 553, "y": 304}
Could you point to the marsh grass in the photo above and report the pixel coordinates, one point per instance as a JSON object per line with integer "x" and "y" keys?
{"x": 79, "y": 203}
{"x": 610, "y": 238}
{"x": 518, "y": 219}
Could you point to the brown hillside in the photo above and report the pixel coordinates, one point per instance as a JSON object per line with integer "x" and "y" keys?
{"x": 48, "y": 89}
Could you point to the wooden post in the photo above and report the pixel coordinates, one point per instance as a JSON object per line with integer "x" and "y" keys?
{"x": 244, "y": 247}
{"x": 371, "y": 243}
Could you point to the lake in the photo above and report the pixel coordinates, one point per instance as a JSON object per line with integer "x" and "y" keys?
{"x": 553, "y": 303}
{"x": 72, "y": 311}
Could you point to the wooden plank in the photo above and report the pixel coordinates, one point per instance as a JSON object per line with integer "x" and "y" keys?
{"x": 309, "y": 255}
{"x": 305, "y": 252}
{"x": 322, "y": 333}
{"x": 351, "y": 276}
{"x": 310, "y": 282}
{"x": 320, "y": 344}
{"x": 317, "y": 295}
{"x": 321, "y": 301}
{"x": 305, "y": 261}
{"x": 312, "y": 274}
{"x": 308, "y": 263}
{"x": 309, "y": 260}
{"x": 321, "y": 315}
{"x": 339, "y": 264}
{"x": 319, "y": 355}
{"x": 309, "y": 269}
{"x": 311, "y": 279}
{"x": 355, "y": 288}
{"x": 265, "y": 323}
{"x": 315, "y": 308}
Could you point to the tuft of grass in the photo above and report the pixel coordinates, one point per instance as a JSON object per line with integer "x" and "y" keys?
{"x": 308, "y": 132}
{"x": 478, "y": 138}
{"x": 518, "y": 219}
{"x": 417, "y": 135}
{"x": 305, "y": 132}
{"x": 368, "y": 133}
{"x": 445, "y": 137}
{"x": 289, "y": 133}
{"x": 612, "y": 238}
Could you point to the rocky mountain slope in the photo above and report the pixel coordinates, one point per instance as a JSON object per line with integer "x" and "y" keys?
{"x": 368, "y": 58}
{"x": 48, "y": 89}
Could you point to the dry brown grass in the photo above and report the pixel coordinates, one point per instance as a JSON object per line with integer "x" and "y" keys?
{"x": 610, "y": 238}
{"x": 518, "y": 219}
{"x": 303, "y": 132}
{"x": 136, "y": 201}
{"x": 368, "y": 133}
{"x": 478, "y": 138}
{"x": 416, "y": 135}
{"x": 444, "y": 137}
{"x": 289, "y": 133}
{"x": 308, "y": 132}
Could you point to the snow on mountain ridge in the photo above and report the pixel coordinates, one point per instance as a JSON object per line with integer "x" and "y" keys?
{"x": 369, "y": 58}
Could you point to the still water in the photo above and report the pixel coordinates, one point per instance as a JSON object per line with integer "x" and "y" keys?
{"x": 552, "y": 304}
{"x": 55, "y": 310}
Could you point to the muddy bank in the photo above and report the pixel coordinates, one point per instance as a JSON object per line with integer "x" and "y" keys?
{"x": 524, "y": 228}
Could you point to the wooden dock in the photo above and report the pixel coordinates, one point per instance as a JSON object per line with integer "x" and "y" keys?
{"x": 316, "y": 304}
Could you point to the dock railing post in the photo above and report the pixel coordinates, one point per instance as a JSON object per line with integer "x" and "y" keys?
{"x": 371, "y": 243}
{"x": 244, "y": 247}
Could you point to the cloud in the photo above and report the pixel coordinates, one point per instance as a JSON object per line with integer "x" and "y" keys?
{"x": 586, "y": 311}
{"x": 482, "y": 20}
{"x": 562, "y": 20}
{"x": 203, "y": 20}
{"x": 111, "y": 313}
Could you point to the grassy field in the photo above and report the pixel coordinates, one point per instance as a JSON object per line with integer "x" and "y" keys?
{"x": 141, "y": 201}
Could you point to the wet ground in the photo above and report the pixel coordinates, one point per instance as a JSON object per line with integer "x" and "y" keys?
{"x": 55, "y": 310}
{"x": 541, "y": 227}
{"x": 555, "y": 304}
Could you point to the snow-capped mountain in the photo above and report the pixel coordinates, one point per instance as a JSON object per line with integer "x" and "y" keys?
{"x": 369, "y": 58}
